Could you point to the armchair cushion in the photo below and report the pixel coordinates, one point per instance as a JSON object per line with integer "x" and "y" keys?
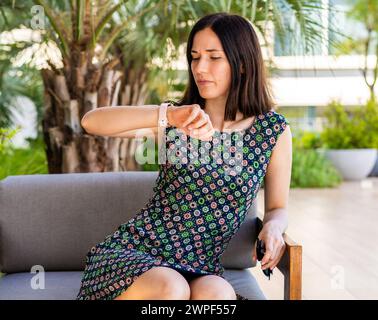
{"x": 53, "y": 220}
{"x": 65, "y": 285}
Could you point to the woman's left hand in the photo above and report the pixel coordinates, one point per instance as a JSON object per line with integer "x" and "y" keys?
{"x": 274, "y": 245}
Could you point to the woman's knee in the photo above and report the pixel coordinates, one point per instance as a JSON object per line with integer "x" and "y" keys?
{"x": 219, "y": 294}
{"x": 159, "y": 283}
{"x": 174, "y": 287}
{"x": 211, "y": 288}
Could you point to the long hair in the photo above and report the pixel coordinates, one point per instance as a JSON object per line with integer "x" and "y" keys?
{"x": 249, "y": 92}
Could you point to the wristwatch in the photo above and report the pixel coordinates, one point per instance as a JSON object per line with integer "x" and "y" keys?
{"x": 163, "y": 121}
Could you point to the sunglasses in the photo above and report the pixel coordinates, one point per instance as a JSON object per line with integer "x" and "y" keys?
{"x": 260, "y": 251}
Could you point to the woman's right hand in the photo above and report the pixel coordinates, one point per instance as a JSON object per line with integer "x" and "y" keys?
{"x": 192, "y": 120}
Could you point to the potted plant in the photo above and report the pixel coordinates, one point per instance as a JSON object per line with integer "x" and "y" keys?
{"x": 350, "y": 139}
{"x": 319, "y": 171}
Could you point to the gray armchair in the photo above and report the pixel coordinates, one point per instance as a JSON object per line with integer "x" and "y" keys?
{"x": 53, "y": 220}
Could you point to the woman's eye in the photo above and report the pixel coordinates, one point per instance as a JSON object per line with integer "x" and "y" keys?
{"x": 213, "y": 58}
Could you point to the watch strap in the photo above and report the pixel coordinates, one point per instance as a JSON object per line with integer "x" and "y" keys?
{"x": 163, "y": 121}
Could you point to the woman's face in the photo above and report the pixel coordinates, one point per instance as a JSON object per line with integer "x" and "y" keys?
{"x": 210, "y": 63}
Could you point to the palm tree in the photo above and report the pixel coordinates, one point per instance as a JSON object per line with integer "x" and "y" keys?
{"x": 27, "y": 82}
{"x": 106, "y": 51}
{"x": 366, "y": 12}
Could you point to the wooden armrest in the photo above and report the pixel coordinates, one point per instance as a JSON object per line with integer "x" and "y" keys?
{"x": 290, "y": 265}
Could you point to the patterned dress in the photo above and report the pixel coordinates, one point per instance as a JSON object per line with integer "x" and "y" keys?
{"x": 201, "y": 197}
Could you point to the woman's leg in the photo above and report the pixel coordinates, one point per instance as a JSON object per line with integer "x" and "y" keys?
{"x": 159, "y": 283}
{"x": 211, "y": 287}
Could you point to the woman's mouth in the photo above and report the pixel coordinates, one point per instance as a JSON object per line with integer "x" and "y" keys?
{"x": 204, "y": 83}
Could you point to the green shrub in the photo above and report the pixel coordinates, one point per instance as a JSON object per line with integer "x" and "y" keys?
{"x": 6, "y": 135}
{"x": 371, "y": 118}
{"x": 306, "y": 140}
{"x": 16, "y": 161}
{"x": 350, "y": 129}
{"x": 310, "y": 169}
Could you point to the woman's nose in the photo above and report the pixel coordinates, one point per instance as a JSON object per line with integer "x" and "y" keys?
{"x": 202, "y": 65}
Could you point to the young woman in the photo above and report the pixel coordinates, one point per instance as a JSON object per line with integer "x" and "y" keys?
{"x": 171, "y": 248}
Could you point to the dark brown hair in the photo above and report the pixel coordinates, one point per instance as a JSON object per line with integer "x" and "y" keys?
{"x": 249, "y": 92}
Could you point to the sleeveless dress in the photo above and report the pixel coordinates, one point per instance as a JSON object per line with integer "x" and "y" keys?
{"x": 201, "y": 197}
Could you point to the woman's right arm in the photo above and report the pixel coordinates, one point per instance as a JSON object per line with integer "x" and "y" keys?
{"x": 125, "y": 121}
{"x": 110, "y": 121}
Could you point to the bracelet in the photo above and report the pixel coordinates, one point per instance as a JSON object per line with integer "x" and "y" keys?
{"x": 163, "y": 121}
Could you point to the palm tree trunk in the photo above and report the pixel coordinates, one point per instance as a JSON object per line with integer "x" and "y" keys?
{"x": 68, "y": 147}
{"x": 134, "y": 93}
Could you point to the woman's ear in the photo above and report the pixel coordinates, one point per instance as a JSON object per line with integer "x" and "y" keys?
{"x": 241, "y": 69}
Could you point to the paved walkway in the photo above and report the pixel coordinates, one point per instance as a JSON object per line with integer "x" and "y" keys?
{"x": 338, "y": 229}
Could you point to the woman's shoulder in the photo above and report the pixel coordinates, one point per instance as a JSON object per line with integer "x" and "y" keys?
{"x": 274, "y": 120}
{"x": 272, "y": 124}
{"x": 274, "y": 116}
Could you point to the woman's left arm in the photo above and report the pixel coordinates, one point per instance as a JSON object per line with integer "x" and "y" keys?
{"x": 276, "y": 195}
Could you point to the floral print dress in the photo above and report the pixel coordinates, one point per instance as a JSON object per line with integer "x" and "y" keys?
{"x": 201, "y": 197}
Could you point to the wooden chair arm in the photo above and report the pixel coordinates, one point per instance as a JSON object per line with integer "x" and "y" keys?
{"x": 290, "y": 265}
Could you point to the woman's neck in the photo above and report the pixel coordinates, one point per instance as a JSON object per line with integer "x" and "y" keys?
{"x": 216, "y": 109}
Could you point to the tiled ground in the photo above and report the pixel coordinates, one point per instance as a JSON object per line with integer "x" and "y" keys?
{"x": 338, "y": 229}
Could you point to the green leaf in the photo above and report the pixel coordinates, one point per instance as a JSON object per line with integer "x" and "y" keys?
{"x": 79, "y": 18}
{"x": 103, "y": 22}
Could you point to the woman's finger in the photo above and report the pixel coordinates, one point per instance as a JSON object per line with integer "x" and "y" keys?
{"x": 276, "y": 257}
{"x": 274, "y": 250}
{"x": 268, "y": 252}
{"x": 203, "y": 136}
{"x": 197, "y": 123}
{"x": 269, "y": 265}
{"x": 280, "y": 248}
{"x": 268, "y": 260}
{"x": 204, "y": 129}
{"x": 281, "y": 251}
{"x": 204, "y": 132}
{"x": 254, "y": 254}
{"x": 208, "y": 136}
{"x": 196, "y": 110}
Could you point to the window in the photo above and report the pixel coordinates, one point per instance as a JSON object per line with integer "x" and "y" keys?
{"x": 335, "y": 25}
{"x": 342, "y": 24}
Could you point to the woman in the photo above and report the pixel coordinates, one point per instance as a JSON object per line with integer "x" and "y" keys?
{"x": 171, "y": 248}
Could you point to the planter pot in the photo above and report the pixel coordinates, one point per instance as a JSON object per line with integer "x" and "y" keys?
{"x": 374, "y": 172}
{"x": 353, "y": 164}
